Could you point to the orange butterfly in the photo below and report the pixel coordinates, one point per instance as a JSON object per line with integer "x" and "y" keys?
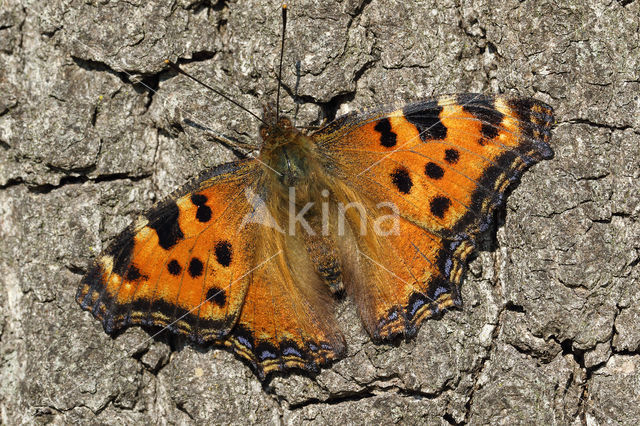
{"x": 386, "y": 205}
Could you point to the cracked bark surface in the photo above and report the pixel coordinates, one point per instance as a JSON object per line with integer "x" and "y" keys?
{"x": 92, "y": 132}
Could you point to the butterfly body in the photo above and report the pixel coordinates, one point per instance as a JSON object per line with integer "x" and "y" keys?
{"x": 385, "y": 205}
{"x": 296, "y": 180}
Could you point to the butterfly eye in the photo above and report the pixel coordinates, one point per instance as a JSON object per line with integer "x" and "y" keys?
{"x": 264, "y": 133}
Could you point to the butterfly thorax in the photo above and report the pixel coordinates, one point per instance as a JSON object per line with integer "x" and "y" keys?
{"x": 287, "y": 152}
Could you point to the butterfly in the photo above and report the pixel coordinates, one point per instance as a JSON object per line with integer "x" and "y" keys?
{"x": 385, "y": 205}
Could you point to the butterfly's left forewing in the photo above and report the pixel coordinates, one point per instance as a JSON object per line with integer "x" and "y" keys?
{"x": 445, "y": 164}
{"x": 182, "y": 265}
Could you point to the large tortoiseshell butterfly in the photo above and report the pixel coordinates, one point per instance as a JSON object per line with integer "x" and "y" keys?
{"x": 385, "y": 205}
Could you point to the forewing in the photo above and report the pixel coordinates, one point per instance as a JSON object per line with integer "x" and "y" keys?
{"x": 183, "y": 264}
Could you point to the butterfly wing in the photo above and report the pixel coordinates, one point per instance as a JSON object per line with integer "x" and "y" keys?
{"x": 287, "y": 320}
{"x": 445, "y": 164}
{"x": 182, "y": 264}
{"x": 203, "y": 265}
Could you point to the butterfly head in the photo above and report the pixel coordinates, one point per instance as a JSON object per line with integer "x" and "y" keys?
{"x": 277, "y": 131}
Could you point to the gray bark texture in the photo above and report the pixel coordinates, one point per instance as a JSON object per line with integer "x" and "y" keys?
{"x": 92, "y": 133}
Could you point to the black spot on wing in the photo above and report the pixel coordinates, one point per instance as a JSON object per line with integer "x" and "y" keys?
{"x": 488, "y": 131}
{"x": 451, "y": 156}
{"x": 164, "y": 220}
{"x": 223, "y": 253}
{"x": 402, "y": 180}
{"x": 433, "y": 170}
{"x": 439, "y": 206}
{"x": 203, "y": 213}
{"x": 217, "y": 296}
{"x": 387, "y": 137}
{"x": 198, "y": 199}
{"x": 483, "y": 108}
{"x": 195, "y": 267}
{"x": 133, "y": 273}
{"x": 426, "y": 117}
{"x": 174, "y": 267}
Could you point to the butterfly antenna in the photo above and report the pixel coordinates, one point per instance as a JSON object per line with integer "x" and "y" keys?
{"x": 179, "y": 70}
{"x": 284, "y": 28}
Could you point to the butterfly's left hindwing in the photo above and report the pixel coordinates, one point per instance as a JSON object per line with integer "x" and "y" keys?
{"x": 445, "y": 164}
